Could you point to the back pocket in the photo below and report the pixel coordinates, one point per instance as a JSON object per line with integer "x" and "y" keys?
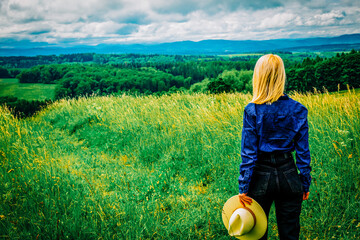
{"x": 293, "y": 179}
{"x": 259, "y": 183}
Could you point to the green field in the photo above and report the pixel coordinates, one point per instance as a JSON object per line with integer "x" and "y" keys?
{"x": 27, "y": 91}
{"x": 162, "y": 168}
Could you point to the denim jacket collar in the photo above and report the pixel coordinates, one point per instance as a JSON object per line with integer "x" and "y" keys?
{"x": 284, "y": 97}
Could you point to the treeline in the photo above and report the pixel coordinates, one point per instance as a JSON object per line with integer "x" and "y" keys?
{"x": 197, "y": 68}
{"x": 48, "y": 74}
{"x": 9, "y": 73}
{"x": 28, "y": 62}
{"x": 333, "y": 73}
{"x": 204, "y": 76}
{"x": 83, "y": 79}
{"x": 228, "y": 81}
{"x": 134, "y": 60}
{"x": 200, "y": 70}
{"x": 159, "y": 74}
{"x": 104, "y": 79}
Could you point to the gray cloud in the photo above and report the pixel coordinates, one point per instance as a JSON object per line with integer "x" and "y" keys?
{"x": 127, "y": 29}
{"x": 39, "y": 32}
{"x": 132, "y": 17}
{"x": 97, "y": 21}
{"x": 212, "y": 6}
{"x": 258, "y": 4}
{"x": 30, "y": 19}
{"x": 16, "y": 7}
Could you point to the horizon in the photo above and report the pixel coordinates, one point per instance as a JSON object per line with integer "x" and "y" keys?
{"x": 42, "y": 45}
{"x": 208, "y": 46}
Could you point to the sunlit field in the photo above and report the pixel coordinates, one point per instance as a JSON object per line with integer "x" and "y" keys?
{"x": 27, "y": 91}
{"x": 162, "y": 168}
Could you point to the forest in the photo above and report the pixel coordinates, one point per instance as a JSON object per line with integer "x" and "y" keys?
{"x": 78, "y": 75}
{"x": 332, "y": 74}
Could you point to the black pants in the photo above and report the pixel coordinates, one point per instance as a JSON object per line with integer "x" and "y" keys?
{"x": 275, "y": 179}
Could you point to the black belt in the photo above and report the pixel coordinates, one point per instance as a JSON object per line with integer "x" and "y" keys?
{"x": 275, "y": 155}
{"x": 275, "y": 158}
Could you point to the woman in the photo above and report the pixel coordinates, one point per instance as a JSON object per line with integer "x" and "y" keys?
{"x": 274, "y": 126}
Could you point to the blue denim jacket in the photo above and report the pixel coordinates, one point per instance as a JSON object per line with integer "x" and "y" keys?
{"x": 278, "y": 127}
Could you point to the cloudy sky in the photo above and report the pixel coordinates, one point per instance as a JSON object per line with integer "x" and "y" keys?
{"x": 143, "y": 21}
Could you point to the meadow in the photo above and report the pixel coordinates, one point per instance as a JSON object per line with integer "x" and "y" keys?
{"x": 27, "y": 91}
{"x": 162, "y": 167}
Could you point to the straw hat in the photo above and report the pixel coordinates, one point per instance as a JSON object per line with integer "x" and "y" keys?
{"x": 245, "y": 223}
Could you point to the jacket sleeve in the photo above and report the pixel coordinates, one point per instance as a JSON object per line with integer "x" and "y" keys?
{"x": 303, "y": 159}
{"x": 249, "y": 150}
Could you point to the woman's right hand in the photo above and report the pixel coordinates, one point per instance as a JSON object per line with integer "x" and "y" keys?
{"x": 244, "y": 199}
{"x": 306, "y": 196}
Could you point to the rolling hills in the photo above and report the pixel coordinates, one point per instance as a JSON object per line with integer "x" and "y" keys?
{"x": 211, "y": 47}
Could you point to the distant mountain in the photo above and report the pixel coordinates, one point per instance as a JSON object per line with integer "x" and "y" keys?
{"x": 210, "y": 47}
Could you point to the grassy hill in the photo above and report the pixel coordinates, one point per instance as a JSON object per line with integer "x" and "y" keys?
{"x": 162, "y": 168}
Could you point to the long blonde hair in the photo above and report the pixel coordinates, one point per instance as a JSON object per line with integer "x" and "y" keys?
{"x": 268, "y": 79}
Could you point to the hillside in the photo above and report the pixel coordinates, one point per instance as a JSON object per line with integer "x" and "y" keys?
{"x": 161, "y": 167}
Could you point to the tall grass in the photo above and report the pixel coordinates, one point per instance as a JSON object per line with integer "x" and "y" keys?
{"x": 161, "y": 168}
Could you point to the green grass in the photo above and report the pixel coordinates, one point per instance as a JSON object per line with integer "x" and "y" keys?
{"x": 27, "y": 91}
{"x": 8, "y": 80}
{"x": 162, "y": 168}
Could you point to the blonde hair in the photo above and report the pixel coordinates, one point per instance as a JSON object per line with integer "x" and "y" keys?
{"x": 268, "y": 79}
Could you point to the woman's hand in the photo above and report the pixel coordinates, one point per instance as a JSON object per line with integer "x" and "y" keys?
{"x": 244, "y": 199}
{"x": 306, "y": 196}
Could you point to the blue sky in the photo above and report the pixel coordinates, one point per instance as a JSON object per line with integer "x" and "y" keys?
{"x": 72, "y": 22}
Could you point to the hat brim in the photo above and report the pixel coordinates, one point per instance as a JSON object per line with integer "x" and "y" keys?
{"x": 260, "y": 227}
